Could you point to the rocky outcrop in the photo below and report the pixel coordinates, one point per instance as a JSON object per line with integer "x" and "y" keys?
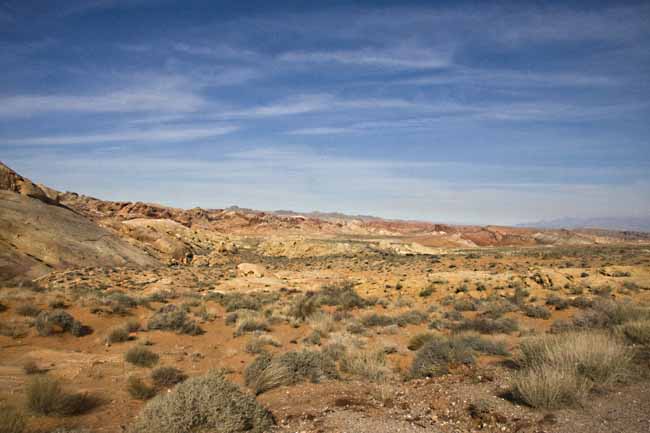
{"x": 12, "y": 181}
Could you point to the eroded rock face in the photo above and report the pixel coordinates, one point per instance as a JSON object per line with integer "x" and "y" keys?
{"x": 12, "y": 181}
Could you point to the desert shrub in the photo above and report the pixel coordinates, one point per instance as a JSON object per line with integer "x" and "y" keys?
{"x": 238, "y": 301}
{"x": 304, "y": 306}
{"x": 57, "y": 304}
{"x": 558, "y": 371}
{"x": 11, "y": 420}
{"x": 321, "y": 322}
{"x": 581, "y": 302}
{"x": 486, "y": 325}
{"x": 435, "y": 356}
{"x": 257, "y": 344}
{"x": 117, "y": 335}
{"x": 205, "y": 403}
{"x": 374, "y": 319}
{"x": 427, "y": 291}
{"x": 356, "y": 328}
{"x": 141, "y": 356}
{"x": 549, "y": 388}
{"x": 419, "y": 340}
{"x": 609, "y": 314}
{"x": 28, "y": 310}
{"x": 519, "y": 296}
{"x": 467, "y": 304}
{"x": 173, "y": 318}
{"x": 119, "y": 302}
{"x": 412, "y": 317}
{"x": 636, "y": 332}
{"x": 536, "y": 311}
{"x": 342, "y": 295}
{"x": 367, "y": 364}
{"x": 497, "y": 308}
{"x": 132, "y": 325}
{"x": 251, "y": 323}
{"x": 557, "y": 302}
{"x": 166, "y": 377}
{"x": 3, "y": 307}
{"x": 138, "y": 389}
{"x": 45, "y": 396}
{"x": 603, "y": 291}
{"x": 268, "y": 372}
{"x": 48, "y": 323}
{"x": 484, "y": 345}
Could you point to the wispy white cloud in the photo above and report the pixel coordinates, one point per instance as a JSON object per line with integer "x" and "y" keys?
{"x": 222, "y": 51}
{"x": 150, "y": 135}
{"x": 319, "y": 102}
{"x": 170, "y": 94}
{"x": 509, "y": 78}
{"x": 406, "y": 57}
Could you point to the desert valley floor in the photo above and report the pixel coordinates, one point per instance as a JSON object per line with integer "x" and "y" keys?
{"x": 322, "y": 323}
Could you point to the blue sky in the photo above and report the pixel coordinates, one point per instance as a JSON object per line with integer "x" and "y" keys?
{"x": 484, "y": 112}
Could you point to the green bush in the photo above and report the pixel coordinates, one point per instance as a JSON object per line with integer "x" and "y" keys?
{"x": 202, "y": 404}
{"x": 141, "y": 356}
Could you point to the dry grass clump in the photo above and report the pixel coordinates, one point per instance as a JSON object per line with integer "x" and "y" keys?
{"x": 173, "y": 318}
{"x": 321, "y": 322}
{"x": 57, "y": 321}
{"x": 138, "y": 389}
{"x": 251, "y": 322}
{"x": 603, "y": 314}
{"x": 558, "y": 371}
{"x": 367, "y": 364}
{"x": 141, "y": 356}
{"x": 257, "y": 344}
{"x": 45, "y": 396}
{"x": 11, "y": 420}
{"x": 166, "y": 377}
{"x": 205, "y": 403}
{"x": 268, "y": 372}
{"x": 636, "y": 332}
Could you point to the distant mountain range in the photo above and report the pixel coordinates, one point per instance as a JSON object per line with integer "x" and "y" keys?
{"x": 639, "y": 224}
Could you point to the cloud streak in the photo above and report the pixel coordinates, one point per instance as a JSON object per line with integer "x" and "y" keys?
{"x": 135, "y": 136}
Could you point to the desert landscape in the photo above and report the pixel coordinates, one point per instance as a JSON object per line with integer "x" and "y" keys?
{"x": 122, "y": 316}
{"x": 346, "y": 216}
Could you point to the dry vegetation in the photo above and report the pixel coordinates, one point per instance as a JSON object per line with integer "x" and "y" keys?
{"x": 450, "y": 342}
